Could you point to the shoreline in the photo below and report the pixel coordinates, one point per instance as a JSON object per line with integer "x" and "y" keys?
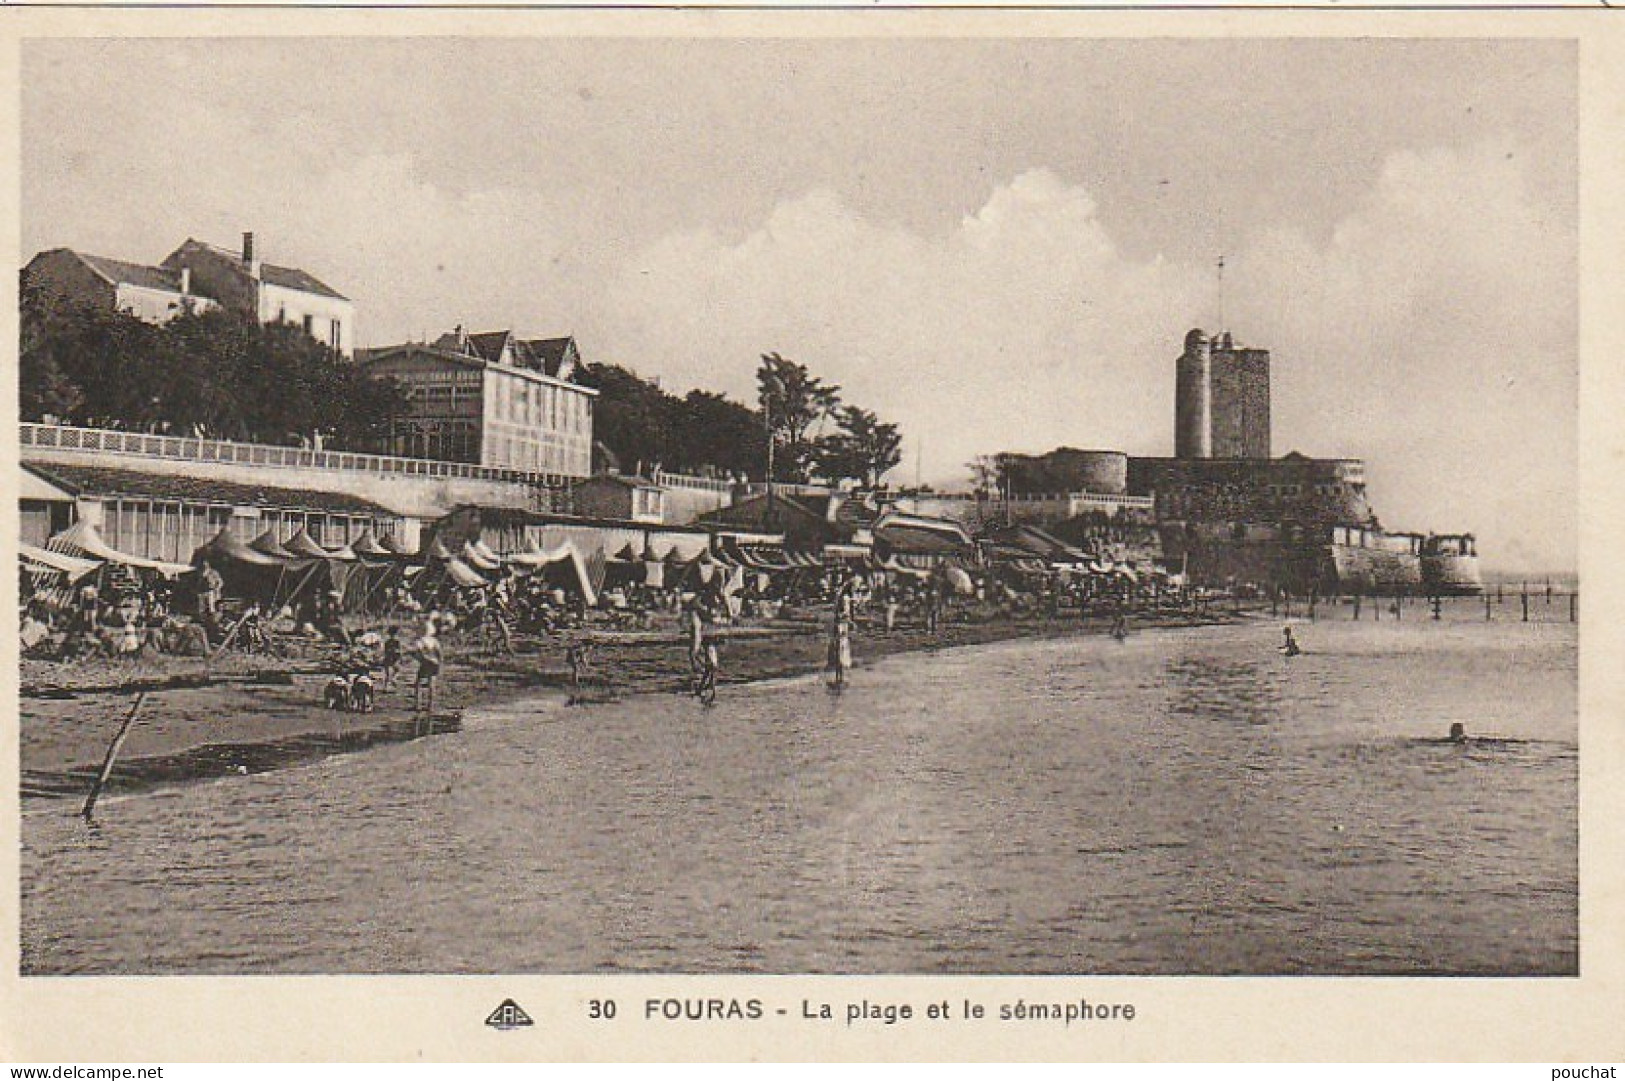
{"x": 243, "y": 715}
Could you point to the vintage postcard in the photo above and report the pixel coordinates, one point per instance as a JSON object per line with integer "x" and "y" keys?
{"x": 746, "y": 534}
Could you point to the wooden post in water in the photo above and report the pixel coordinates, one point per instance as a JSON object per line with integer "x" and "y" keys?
{"x": 1357, "y": 597}
{"x": 1574, "y": 605}
{"x": 112, "y": 756}
{"x": 1486, "y": 607}
{"x": 1313, "y": 591}
{"x": 1526, "y": 602}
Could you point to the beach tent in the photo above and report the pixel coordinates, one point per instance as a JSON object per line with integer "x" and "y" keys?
{"x": 244, "y": 570}
{"x": 484, "y": 551}
{"x": 86, "y": 542}
{"x": 267, "y": 544}
{"x": 461, "y": 574}
{"x": 367, "y": 546}
{"x": 341, "y": 572}
{"x": 43, "y": 561}
{"x": 303, "y": 546}
{"x": 959, "y": 580}
{"x": 478, "y": 559}
{"x": 563, "y": 559}
{"x": 344, "y": 553}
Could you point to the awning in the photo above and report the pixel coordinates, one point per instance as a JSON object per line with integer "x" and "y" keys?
{"x": 367, "y": 546}
{"x": 84, "y": 540}
{"x": 474, "y": 557}
{"x": 901, "y": 566}
{"x": 304, "y": 546}
{"x": 540, "y": 558}
{"x": 461, "y": 574}
{"x": 226, "y": 547}
{"x": 73, "y": 567}
{"x": 267, "y": 544}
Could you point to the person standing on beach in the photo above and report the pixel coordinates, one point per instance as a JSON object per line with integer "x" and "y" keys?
{"x": 392, "y": 656}
{"x": 694, "y": 625}
{"x": 430, "y": 660}
{"x": 708, "y": 666}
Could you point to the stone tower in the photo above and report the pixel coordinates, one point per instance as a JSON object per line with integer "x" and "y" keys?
{"x": 1193, "y": 398}
{"x": 1240, "y": 395}
{"x": 1221, "y": 399}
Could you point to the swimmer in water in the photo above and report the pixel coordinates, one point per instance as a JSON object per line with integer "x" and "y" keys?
{"x": 1458, "y": 732}
{"x": 1289, "y": 644}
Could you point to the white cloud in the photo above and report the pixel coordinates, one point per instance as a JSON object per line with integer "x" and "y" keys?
{"x": 1431, "y": 326}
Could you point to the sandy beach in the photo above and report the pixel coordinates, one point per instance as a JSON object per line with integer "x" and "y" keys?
{"x": 241, "y": 714}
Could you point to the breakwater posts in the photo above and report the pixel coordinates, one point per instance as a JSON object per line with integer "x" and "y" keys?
{"x": 1529, "y": 606}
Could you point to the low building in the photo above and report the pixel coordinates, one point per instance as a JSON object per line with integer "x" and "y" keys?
{"x": 612, "y": 495}
{"x": 808, "y": 520}
{"x": 490, "y": 399}
{"x": 167, "y": 517}
{"x": 152, "y": 294}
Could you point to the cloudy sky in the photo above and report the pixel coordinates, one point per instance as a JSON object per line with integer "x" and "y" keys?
{"x": 999, "y": 244}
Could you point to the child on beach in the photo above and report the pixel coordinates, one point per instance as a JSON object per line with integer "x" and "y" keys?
{"x": 577, "y": 657}
{"x": 427, "y": 651}
{"x": 708, "y": 666}
{"x": 392, "y": 655}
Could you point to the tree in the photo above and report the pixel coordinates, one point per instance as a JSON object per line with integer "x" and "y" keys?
{"x": 864, "y": 449}
{"x": 990, "y": 473}
{"x": 723, "y": 435}
{"x": 793, "y": 400}
{"x": 216, "y": 374}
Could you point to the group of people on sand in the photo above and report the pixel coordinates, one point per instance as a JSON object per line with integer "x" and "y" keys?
{"x": 353, "y": 687}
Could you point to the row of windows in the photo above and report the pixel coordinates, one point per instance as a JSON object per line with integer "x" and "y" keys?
{"x": 540, "y": 404}
{"x": 171, "y": 531}
{"x": 443, "y": 440}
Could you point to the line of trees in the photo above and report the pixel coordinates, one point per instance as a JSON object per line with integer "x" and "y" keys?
{"x": 215, "y": 374}
{"x": 814, "y": 435}
{"x": 798, "y": 406}
{"x": 222, "y": 375}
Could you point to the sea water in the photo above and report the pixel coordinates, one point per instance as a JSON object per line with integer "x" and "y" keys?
{"x": 1185, "y": 801}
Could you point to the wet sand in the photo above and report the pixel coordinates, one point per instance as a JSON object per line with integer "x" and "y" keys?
{"x": 248, "y": 714}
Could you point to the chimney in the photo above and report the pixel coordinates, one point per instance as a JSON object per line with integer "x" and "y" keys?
{"x": 248, "y": 249}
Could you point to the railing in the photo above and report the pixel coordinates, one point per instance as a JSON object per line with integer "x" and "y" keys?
{"x": 1088, "y": 499}
{"x": 702, "y": 484}
{"x": 142, "y": 444}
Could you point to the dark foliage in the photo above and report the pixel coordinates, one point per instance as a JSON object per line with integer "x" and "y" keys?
{"x": 700, "y": 433}
{"x": 216, "y": 374}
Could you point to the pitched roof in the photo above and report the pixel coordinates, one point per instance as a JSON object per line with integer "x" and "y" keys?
{"x": 489, "y": 345}
{"x": 271, "y": 274}
{"x": 101, "y": 481}
{"x": 293, "y": 278}
{"x": 119, "y": 271}
{"x": 549, "y": 354}
{"x": 545, "y": 355}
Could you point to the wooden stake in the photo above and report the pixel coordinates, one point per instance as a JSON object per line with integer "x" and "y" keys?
{"x": 112, "y": 756}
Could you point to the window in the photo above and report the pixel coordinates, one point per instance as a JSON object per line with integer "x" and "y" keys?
{"x": 333, "y": 333}
{"x": 308, "y": 324}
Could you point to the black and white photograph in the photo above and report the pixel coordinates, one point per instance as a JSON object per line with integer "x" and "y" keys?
{"x": 862, "y": 505}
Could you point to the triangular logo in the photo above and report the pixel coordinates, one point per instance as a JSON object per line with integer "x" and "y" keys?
{"x": 508, "y": 1015}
